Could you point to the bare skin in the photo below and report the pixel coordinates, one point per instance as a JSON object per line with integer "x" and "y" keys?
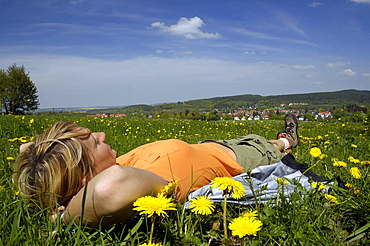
{"x": 103, "y": 206}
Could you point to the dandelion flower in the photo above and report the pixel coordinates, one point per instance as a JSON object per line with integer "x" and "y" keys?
{"x": 323, "y": 156}
{"x": 150, "y": 205}
{"x": 331, "y": 198}
{"x": 315, "y": 152}
{"x": 318, "y": 186}
{"x": 31, "y": 121}
{"x": 348, "y": 185}
{"x": 365, "y": 163}
{"x": 337, "y": 163}
{"x": 150, "y": 244}
{"x": 355, "y": 172}
{"x": 169, "y": 189}
{"x": 202, "y": 205}
{"x": 242, "y": 226}
{"x": 229, "y": 186}
{"x": 354, "y": 145}
{"x": 281, "y": 181}
{"x": 353, "y": 160}
{"x": 10, "y": 158}
{"x": 250, "y": 214}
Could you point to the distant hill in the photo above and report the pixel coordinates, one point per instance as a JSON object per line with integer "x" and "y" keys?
{"x": 338, "y": 98}
{"x": 325, "y": 100}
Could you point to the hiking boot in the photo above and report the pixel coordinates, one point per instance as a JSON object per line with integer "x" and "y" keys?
{"x": 291, "y": 131}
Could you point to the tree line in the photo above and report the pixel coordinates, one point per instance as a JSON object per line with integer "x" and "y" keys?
{"x": 18, "y": 94}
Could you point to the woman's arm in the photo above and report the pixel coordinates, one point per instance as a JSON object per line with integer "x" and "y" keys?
{"x": 110, "y": 195}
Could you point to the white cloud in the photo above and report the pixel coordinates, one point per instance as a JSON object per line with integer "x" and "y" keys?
{"x": 159, "y": 51}
{"x": 366, "y": 74}
{"x": 361, "y": 1}
{"x": 303, "y": 67}
{"x": 249, "y": 53}
{"x": 289, "y": 21}
{"x": 348, "y": 72}
{"x": 337, "y": 64}
{"x": 315, "y": 4}
{"x": 188, "y": 28}
{"x": 269, "y": 37}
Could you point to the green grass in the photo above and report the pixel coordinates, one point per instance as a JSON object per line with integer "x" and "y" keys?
{"x": 310, "y": 221}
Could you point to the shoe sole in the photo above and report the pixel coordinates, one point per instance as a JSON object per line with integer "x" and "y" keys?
{"x": 292, "y": 116}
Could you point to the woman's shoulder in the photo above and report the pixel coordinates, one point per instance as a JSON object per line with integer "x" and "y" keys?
{"x": 110, "y": 194}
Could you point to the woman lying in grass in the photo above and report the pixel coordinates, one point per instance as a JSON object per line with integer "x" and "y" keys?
{"x": 54, "y": 169}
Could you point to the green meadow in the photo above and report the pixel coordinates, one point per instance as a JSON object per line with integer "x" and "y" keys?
{"x": 308, "y": 217}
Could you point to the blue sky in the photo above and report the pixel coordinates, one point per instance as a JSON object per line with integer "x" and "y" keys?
{"x": 84, "y": 53}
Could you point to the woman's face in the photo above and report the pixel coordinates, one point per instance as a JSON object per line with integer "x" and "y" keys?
{"x": 103, "y": 155}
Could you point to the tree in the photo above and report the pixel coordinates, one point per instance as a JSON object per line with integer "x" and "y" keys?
{"x": 337, "y": 113}
{"x": 18, "y": 94}
{"x": 357, "y": 117}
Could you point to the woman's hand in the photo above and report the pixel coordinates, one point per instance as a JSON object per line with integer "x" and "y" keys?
{"x": 55, "y": 214}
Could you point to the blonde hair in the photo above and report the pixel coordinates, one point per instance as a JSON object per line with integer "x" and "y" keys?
{"x": 50, "y": 170}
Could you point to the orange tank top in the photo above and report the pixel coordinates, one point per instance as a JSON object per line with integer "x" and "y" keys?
{"x": 193, "y": 165}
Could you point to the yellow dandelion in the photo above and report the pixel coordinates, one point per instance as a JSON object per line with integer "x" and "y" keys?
{"x": 150, "y": 205}
{"x": 331, "y": 198}
{"x": 315, "y": 152}
{"x": 202, "y": 205}
{"x": 31, "y": 121}
{"x": 318, "y": 186}
{"x": 357, "y": 190}
{"x": 250, "y": 214}
{"x": 348, "y": 185}
{"x": 281, "y": 181}
{"x": 353, "y": 160}
{"x": 16, "y": 192}
{"x": 365, "y": 163}
{"x": 355, "y": 172}
{"x": 323, "y": 156}
{"x": 354, "y": 145}
{"x": 169, "y": 189}
{"x": 242, "y": 226}
{"x": 150, "y": 244}
{"x": 337, "y": 163}
{"x": 10, "y": 158}
{"x": 229, "y": 186}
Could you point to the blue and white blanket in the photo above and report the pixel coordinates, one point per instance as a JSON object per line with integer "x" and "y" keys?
{"x": 263, "y": 182}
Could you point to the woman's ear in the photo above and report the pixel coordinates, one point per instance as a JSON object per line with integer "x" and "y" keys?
{"x": 25, "y": 146}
